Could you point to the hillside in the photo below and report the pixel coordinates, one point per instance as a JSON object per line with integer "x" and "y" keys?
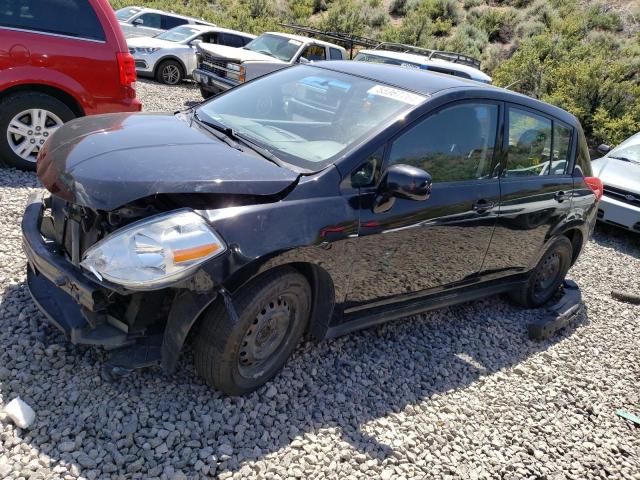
{"x": 582, "y": 55}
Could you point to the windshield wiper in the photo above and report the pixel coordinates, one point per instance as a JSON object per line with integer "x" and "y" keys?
{"x": 260, "y": 150}
{"x": 229, "y": 135}
{"x": 232, "y": 137}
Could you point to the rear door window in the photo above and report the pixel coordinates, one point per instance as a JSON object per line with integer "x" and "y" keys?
{"x": 335, "y": 54}
{"x": 73, "y": 18}
{"x": 314, "y": 53}
{"x": 456, "y": 143}
{"x": 529, "y": 143}
{"x": 168, "y": 22}
{"x": 231, "y": 40}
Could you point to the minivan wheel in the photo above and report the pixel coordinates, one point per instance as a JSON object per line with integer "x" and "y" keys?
{"x": 27, "y": 120}
{"x": 169, "y": 72}
{"x": 546, "y": 278}
{"x": 273, "y": 313}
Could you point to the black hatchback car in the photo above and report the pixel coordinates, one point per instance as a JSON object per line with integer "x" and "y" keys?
{"x": 316, "y": 200}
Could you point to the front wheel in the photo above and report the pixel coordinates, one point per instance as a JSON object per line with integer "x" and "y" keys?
{"x": 169, "y": 72}
{"x": 546, "y": 278}
{"x": 273, "y": 313}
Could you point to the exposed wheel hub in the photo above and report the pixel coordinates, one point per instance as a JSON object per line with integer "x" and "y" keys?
{"x": 264, "y": 336}
{"x": 28, "y": 131}
{"x": 548, "y": 272}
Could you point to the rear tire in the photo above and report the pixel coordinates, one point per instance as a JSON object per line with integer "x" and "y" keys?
{"x": 169, "y": 72}
{"x": 273, "y": 313}
{"x": 206, "y": 94}
{"x": 32, "y": 118}
{"x": 546, "y": 278}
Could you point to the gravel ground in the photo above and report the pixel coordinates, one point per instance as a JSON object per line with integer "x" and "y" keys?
{"x": 457, "y": 393}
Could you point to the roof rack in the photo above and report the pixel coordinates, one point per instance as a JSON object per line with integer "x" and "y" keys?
{"x": 347, "y": 40}
{"x": 430, "y": 54}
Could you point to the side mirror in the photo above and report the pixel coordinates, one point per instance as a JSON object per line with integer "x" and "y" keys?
{"x": 138, "y": 21}
{"x": 195, "y": 42}
{"x": 303, "y": 60}
{"x": 401, "y": 181}
{"x": 604, "y": 149}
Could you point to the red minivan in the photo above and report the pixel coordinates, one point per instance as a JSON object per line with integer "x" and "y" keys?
{"x": 59, "y": 59}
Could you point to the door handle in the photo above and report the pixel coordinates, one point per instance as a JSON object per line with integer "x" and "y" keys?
{"x": 482, "y": 205}
{"x": 560, "y": 196}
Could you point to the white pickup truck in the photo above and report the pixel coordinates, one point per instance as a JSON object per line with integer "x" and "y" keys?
{"x": 221, "y": 67}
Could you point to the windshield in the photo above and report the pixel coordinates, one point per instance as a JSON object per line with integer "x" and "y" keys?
{"x": 125, "y": 14}
{"x": 309, "y": 116}
{"x": 178, "y": 34}
{"x": 281, "y": 48}
{"x": 628, "y": 150}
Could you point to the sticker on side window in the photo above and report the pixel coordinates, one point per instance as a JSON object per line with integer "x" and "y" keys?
{"x": 396, "y": 94}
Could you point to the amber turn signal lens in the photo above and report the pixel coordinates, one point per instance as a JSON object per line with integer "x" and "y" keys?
{"x": 194, "y": 253}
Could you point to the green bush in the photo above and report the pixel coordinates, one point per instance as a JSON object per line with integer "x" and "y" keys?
{"x": 398, "y": 7}
{"x": 601, "y": 17}
{"x": 498, "y": 23}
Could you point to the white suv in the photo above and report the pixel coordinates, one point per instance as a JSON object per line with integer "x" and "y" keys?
{"x": 147, "y": 22}
{"x": 423, "y": 59}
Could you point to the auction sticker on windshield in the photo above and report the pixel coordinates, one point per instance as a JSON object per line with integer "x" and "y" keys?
{"x": 396, "y": 94}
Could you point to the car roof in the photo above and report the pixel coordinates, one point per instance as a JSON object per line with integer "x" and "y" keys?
{"x": 430, "y": 83}
{"x": 214, "y": 28}
{"x": 164, "y": 12}
{"x": 303, "y": 39}
{"x": 436, "y": 62}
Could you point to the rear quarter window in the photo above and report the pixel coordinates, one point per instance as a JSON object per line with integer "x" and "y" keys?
{"x": 73, "y": 18}
{"x": 583, "y": 158}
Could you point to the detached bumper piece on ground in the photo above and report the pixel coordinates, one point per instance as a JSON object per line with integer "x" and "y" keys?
{"x": 559, "y": 314}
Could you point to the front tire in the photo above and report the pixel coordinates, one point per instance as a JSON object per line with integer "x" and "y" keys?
{"x": 27, "y": 120}
{"x": 169, "y": 72}
{"x": 546, "y": 278}
{"x": 273, "y": 313}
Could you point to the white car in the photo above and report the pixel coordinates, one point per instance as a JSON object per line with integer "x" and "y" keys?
{"x": 171, "y": 56}
{"x": 619, "y": 171}
{"x": 422, "y": 59}
{"x": 221, "y": 68}
{"x": 148, "y": 22}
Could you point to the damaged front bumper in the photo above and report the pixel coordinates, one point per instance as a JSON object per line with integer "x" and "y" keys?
{"x": 147, "y": 328}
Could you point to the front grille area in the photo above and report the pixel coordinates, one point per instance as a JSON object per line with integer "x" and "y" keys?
{"x": 70, "y": 227}
{"x": 622, "y": 195}
{"x": 216, "y": 66}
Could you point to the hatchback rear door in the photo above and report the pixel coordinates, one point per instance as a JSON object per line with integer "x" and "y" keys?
{"x": 536, "y": 188}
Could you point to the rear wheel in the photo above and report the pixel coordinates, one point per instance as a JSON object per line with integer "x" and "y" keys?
{"x": 206, "y": 94}
{"x": 273, "y": 312}
{"x": 169, "y": 72}
{"x": 27, "y": 120}
{"x": 546, "y": 278}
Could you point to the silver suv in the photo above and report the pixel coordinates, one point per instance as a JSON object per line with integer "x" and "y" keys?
{"x": 148, "y": 22}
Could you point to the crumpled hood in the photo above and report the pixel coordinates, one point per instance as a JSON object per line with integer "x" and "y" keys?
{"x": 152, "y": 42}
{"x": 106, "y": 161}
{"x": 617, "y": 173}
{"x": 237, "y": 54}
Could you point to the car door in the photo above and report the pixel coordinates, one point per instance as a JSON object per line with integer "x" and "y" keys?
{"x": 536, "y": 187}
{"x": 418, "y": 246}
{"x": 145, "y": 25}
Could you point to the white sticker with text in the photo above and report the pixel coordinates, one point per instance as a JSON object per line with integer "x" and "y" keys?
{"x": 396, "y": 94}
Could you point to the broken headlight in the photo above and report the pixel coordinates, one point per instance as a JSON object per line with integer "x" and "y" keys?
{"x": 154, "y": 252}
